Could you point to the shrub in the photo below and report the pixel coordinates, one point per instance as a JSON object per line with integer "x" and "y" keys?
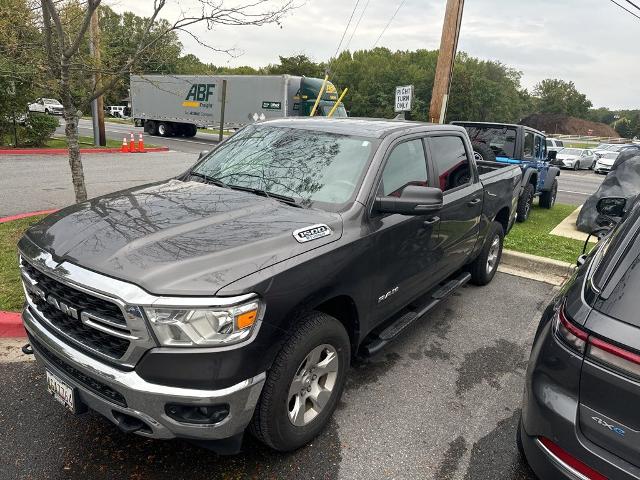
{"x": 38, "y": 129}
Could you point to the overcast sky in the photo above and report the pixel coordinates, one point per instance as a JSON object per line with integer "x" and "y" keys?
{"x": 591, "y": 42}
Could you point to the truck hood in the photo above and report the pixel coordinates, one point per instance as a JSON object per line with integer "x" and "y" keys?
{"x": 179, "y": 238}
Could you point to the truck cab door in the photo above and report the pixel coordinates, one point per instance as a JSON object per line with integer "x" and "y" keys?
{"x": 463, "y": 199}
{"x": 405, "y": 252}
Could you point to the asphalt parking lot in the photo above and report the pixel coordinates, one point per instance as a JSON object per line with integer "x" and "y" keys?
{"x": 441, "y": 402}
{"x": 40, "y": 182}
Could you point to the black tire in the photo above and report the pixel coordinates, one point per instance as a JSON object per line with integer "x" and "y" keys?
{"x": 525, "y": 203}
{"x": 548, "y": 199}
{"x": 46, "y": 111}
{"x": 576, "y": 166}
{"x": 483, "y": 152}
{"x": 151, "y": 127}
{"x": 165, "y": 129}
{"x": 191, "y": 130}
{"x": 485, "y": 266}
{"x": 271, "y": 423}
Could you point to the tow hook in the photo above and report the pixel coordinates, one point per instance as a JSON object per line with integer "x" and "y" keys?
{"x": 27, "y": 349}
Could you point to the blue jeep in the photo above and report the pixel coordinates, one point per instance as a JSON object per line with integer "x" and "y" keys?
{"x": 525, "y": 146}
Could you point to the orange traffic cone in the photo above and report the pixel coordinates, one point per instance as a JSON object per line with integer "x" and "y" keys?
{"x": 125, "y": 147}
{"x": 132, "y": 144}
{"x": 140, "y": 144}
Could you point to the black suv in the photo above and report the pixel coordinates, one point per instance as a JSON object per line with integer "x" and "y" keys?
{"x": 580, "y": 415}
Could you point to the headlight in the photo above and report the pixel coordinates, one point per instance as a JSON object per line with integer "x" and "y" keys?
{"x": 204, "y": 327}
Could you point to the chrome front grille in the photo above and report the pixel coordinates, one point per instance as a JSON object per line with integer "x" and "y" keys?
{"x": 93, "y": 322}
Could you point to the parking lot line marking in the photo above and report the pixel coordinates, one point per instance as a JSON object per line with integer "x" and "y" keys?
{"x": 575, "y": 193}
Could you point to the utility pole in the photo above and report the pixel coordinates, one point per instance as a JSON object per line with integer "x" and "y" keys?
{"x": 97, "y": 105}
{"x": 446, "y": 59}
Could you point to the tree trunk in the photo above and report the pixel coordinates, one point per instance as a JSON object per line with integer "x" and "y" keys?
{"x": 71, "y": 117}
{"x": 75, "y": 160}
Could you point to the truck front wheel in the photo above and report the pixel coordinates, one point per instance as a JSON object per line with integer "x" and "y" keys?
{"x": 484, "y": 267}
{"x": 304, "y": 384}
{"x": 525, "y": 202}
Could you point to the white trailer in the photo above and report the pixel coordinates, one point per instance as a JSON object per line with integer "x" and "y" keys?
{"x": 179, "y": 104}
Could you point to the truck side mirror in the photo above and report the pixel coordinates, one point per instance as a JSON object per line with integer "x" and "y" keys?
{"x": 612, "y": 206}
{"x": 415, "y": 200}
{"x": 551, "y": 155}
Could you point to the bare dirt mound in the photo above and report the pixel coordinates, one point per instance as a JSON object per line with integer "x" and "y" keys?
{"x": 563, "y": 124}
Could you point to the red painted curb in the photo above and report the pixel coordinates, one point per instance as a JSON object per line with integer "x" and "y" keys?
{"x": 64, "y": 151}
{"x": 11, "y": 325}
{"x": 25, "y": 215}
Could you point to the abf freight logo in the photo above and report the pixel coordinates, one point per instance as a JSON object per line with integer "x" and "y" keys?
{"x": 199, "y": 94}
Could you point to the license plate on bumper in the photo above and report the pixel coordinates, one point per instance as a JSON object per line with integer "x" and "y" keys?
{"x": 62, "y": 392}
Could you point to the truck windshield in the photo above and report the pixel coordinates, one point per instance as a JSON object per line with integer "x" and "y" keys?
{"x": 501, "y": 140}
{"x": 314, "y": 168}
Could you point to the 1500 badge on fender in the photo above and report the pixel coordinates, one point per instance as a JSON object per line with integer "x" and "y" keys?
{"x": 312, "y": 232}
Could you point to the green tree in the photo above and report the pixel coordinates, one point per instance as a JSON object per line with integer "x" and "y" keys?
{"x": 558, "y": 96}
{"x": 296, "y": 65}
{"x": 624, "y": 128}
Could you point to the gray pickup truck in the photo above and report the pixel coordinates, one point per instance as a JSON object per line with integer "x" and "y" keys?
{"x": 237, "y": 294}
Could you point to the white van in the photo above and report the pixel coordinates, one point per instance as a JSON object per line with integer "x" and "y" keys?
{"x": 116, "y": 110}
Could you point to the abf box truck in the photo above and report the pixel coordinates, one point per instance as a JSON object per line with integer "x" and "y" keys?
{"x": 178, "y": 104}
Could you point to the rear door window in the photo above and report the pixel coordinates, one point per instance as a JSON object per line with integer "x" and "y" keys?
{"x": 451, "y": 161}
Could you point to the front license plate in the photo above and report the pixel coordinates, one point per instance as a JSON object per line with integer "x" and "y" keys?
{"x": 61, "y": 392}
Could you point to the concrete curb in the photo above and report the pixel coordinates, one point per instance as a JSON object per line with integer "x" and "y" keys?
{"x": 11, "y": 325}
{"x": 64, "y": 151}
{"x": 538, "y": 268}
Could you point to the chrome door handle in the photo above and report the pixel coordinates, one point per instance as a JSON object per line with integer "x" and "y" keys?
{"x": 431, "y": 221}
{"x": 473, "y": 202}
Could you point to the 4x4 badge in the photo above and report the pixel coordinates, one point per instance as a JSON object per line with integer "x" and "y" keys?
{"x": 312, "y": 232}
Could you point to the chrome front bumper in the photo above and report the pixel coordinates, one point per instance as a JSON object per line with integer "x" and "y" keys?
{"x": 146, "y": 401}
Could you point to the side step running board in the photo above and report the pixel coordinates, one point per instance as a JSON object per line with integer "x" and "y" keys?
{"x": 407, "y": 317}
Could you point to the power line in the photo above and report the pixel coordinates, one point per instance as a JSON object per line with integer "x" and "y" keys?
{"x": 389, "y": 23}
{"x": 357, "y": 24}
{"x": 631, "y": 3}
{"x": 335, "y": 55}
{"x": 625, "y": 8}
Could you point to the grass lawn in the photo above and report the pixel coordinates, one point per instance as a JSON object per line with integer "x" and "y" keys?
{"x": 11, "y": 295}
{"x": 533, "y": 235}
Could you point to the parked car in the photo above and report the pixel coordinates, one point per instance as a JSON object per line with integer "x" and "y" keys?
{"x": 523, "y": 146}
{"x": 50, "y": 106}
{"x": 553, "y": 144}
{"x": 580, "y": 415}
{"x": 118, "y": 111}
{"x": 603, "y": 149}
{"x": 575, "y": 158}
{"x": 605, "y": 162}
{"x": 201, "y": 305}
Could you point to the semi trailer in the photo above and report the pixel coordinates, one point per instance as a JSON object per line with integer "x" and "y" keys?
{"x": 168, "y": 105}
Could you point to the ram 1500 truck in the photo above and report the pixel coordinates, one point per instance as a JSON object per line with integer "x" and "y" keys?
{"x": 236, "y": 294}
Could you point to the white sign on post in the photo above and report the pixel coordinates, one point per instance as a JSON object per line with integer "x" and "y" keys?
{"x": 404, "y": 97}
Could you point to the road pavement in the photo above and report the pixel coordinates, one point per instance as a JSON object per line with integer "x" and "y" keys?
{"x": 441, "y": 402}
{"x": 39, "y": 182}
{"x": 116, "y": 131}
{"x": 575, "y": 187}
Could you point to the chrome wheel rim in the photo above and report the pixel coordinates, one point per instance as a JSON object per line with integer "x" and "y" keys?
{"x": 313, "y": 385}
{"x": 477, "y": 157}
{"x": 162, "y": 130}
{"x": 492, "y": 258}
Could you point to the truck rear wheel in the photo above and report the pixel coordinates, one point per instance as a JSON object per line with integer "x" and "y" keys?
{"x": 164, "y": 129}
{"x": 525, "y": 202}
{"x": 548, "y": 199}
{"x": 484, "y": 267}
{"x": 304, "y": 384}
{"x": 190, "y": 130}
{"x": 151, "y": 127}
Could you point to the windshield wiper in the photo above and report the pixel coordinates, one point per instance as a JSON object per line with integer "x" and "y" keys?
{"x": 283, "y": 198}
{"x": 208, "y": 179}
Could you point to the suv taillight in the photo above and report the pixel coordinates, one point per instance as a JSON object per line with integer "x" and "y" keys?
{"x": 596, "y": 349}
{"x": 570, "y": 334}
